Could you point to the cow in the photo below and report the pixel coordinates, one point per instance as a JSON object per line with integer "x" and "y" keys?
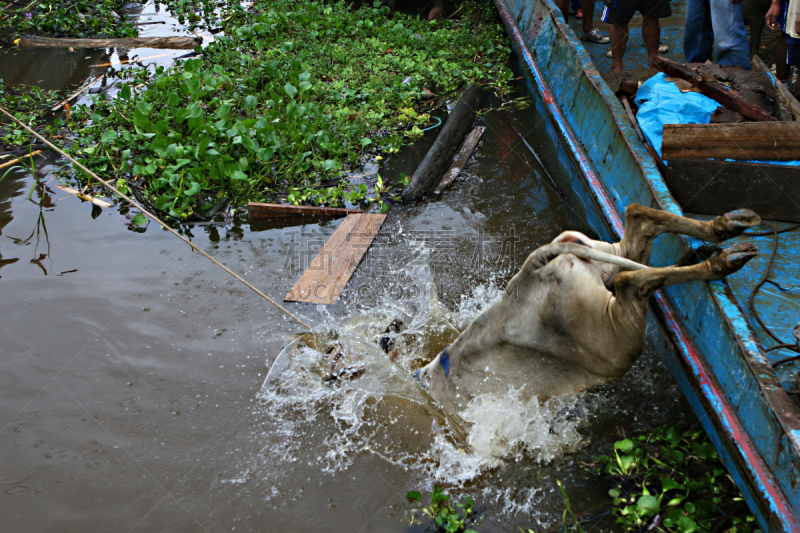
{"x": 567, "y": 323}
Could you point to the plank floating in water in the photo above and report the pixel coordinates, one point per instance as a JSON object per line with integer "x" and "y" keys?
{"x": 260, "y": 211}
{"x": 765, "y": 141}
{"x": 716, "y": 187}
{"x": 461, "y": 158}
{"x": 175, "y": 43}
{"x": 328, "y": 273}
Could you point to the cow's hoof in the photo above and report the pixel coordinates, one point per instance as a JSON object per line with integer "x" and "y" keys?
{"x": 733, "y": 258}
{"x": 734, "y": 223}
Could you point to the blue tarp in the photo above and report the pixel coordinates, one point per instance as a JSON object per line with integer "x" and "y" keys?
{"x": 661, "y": 102}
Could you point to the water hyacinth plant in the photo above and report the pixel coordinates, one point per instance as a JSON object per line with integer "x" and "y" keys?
{"x": 291, "y": 95}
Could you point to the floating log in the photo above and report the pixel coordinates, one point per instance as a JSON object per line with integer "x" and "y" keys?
{"x": 788, "y": 97}
{"x": 441, "y": 153}
{"x": 727, "y": 97}
{"x": 716, "y": 187}
{"x": 461, "y": 158}
{"x": 17, "y": 160}
{"x": 778, "y": 141}
{"x": 328, "y": 273}
{"x": 176, "y": 43}
{"x": 258, "y": 210}
{"x": 86, "y": 197}
{"x": 77, "y": 93}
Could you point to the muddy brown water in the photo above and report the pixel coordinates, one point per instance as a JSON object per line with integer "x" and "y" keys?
{"x": 131, "y": 367}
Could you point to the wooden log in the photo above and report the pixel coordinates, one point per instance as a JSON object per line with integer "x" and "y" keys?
{"x": 788, "y": 97}
{"x": 258, "y": 210}
{"x": 779, "y": 141}
{"x": 125, "y": 61}
{"x": 176, "y": 43}
{"x": 461, "y": 158}
{"x": 85, "y": 197}
{"x": 331, "y": 269}
{"x": 77, "y": 93}
{"x": 441, "y": 153}
{"x": 716, "y": 187}
{"x": 21, "y": 158}
{"x": 727, "y": 97}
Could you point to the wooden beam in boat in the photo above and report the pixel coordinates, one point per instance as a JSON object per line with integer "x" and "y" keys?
{"x": 725, "y": 96}
{"x": 715, "y": 187}
{"x": 766, "y": 141}
{"x": 259, "y": 210}
{"x": 328, "y": 273}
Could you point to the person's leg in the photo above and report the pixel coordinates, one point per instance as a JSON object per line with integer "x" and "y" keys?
{"x": 619, "y": 39}
{"x": 698, "y": 36}
{"x": 589, "y": 33}
{"x": 781, "y": 65}
{"x": 588, "y": 15}
{"x": 563, "y": 5}
{"x": 651, "y": 33}
{"x": 731, "y": 35}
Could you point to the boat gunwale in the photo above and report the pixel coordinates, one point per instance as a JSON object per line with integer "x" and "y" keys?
{"x": 664, "y": 200}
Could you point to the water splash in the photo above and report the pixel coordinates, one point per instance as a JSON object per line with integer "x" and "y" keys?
{"x": 384, "y": 411}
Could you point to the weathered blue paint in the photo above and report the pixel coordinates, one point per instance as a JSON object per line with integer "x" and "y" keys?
{"x": 444, "y": 360}
{"x": 717, "y": 358}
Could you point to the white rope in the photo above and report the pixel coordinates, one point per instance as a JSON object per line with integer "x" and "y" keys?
{"x": 135, "y": 204}
{"x": 590, "y": 253}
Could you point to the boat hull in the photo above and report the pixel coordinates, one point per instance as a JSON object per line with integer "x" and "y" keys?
{"x": 591, "y": 148}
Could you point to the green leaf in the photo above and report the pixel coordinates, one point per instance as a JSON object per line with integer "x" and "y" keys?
{"x": 250, "y": 102}
{"x": 414, "y": 495}
{"x": 290, "y": 89}
{"x": 647, "y": 506}
{"x": 109, "y": 136}
{"x": 366, "y": 141}
{"x": 139, "y": 220}
{"x": 173, "y": 99}
{"x": 668, "y": 484}
{"x": 193, "y": 189}
{"x": 625, "y": 446}
{"x": 673, "y": 436}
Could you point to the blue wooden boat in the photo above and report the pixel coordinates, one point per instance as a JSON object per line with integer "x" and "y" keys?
{"x": 713, "y": 346}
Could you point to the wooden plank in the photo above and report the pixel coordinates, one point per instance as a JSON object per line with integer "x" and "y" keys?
{"x": 727, "y": 97}
{"x": 774, "y": 141}
{"x": 461, "y": 158}
{"x": 716, "y": 187}
{"x": 328, "y": 273}
{"x": 174, "y": 43}
{"x": 788, "y": 97}
{"x": 259, "y": 210}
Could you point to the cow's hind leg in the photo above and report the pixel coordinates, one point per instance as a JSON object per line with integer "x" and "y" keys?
{"x": 639, "y": 285}
{"x": 643, "y": 225}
